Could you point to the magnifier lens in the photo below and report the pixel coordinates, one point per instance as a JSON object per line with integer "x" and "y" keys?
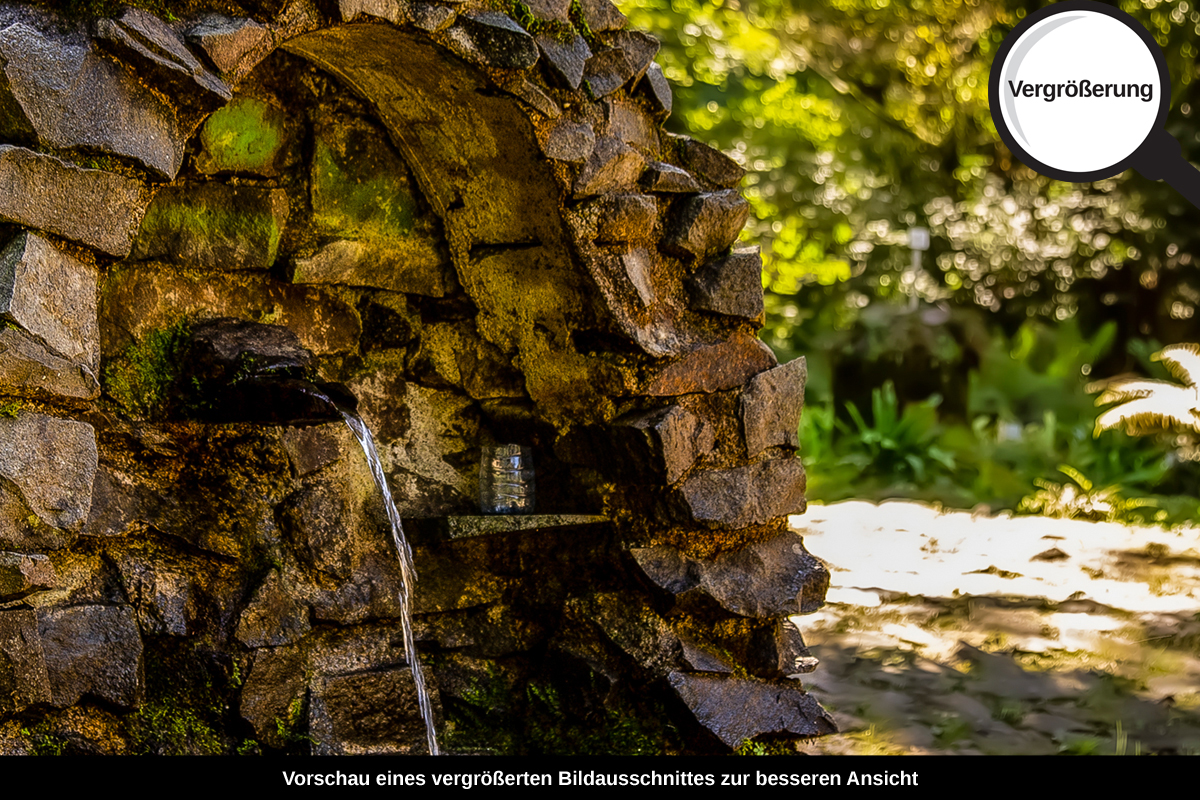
{"x": 1080, "y": 91}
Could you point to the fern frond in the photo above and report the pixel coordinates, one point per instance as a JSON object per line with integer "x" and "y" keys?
{"x": 1182, "y": 361}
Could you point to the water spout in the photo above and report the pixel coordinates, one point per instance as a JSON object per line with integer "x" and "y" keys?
{"x": 408, "y": 575}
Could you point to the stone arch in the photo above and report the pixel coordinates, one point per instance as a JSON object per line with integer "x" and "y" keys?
{"x": 591, "y": 252}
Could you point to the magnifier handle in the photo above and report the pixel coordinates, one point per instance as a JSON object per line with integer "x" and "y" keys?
{"x": 1161, "y": 158}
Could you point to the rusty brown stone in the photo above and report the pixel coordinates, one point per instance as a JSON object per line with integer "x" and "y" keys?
{"x": 707, "y": 224}
{"x": 751, "y": 495}
{"x": 712, "y": 368}
{"x": 771, "y": 406}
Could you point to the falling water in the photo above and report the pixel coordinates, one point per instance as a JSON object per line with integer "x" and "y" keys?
{"x": 408, "y": 576}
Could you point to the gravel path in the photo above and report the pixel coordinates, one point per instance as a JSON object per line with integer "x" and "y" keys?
{"x": 954, "y": 633}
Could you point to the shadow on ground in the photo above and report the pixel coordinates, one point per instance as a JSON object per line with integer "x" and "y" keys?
{"x": 972, "y": 666}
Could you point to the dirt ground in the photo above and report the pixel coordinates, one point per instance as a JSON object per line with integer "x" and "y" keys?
{"x": 952, "y": 633}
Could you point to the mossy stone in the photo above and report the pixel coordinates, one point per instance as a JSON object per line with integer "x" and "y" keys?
{"x": 248, "y": 135}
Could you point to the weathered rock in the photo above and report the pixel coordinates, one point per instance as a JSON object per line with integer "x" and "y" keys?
{"x": 612, "y": 167}
{"x": 626, "y": 218}
{"x": 606, "y": 71}
{"x": 99, "y": 209}
{"x": 391, "y": 10}
{"x": 665, "y": 443}
{"x": 495, "y": 40}
{"x": 214, "y": 226}
{"x": 518, "y": 85}
{"x": 787, "y": 651}
{"x": 272, "y": 698}
{"x": 164, "y": 595}
{"x": 631, "y": 624}
{"x": 247, "y": 136}
{"x": 462, "y": 358}
{"x": 626, "y": 121}
{"x": 565, "y": 140}
{"x": 29, "y": 369}
{"x": 138, "y": 301}
{"x": 23, "y": 574}
{"x": 655, "y": 88}
{"x": 711, "y": 368}
{"x": 414, "y": 264}
{"x": 566, "y": 60}
{"x": 156, "y": 51}
{"x": 747, "y": 495}
{"x": 23, "y": 678}
{"x": 730, "y": 285}
{"x": 556, "y": 10}
{"x": 629, "y": 273}
{"x": 234, "y": 46}
{"x": 47, "y": 466}
{"x": 274, "y": 617}
{"x": 640, "y": 48}
{"x": 92, "y": 650}
{"x": 763, "y": 580}
{"x": 707, "y": 224}
{"x": 433, "y": 17}
{"x": 601, "y": 15}
{"x": 710, "y": 165}
{"x": 318, "y": 523}
{"x": 57, "y": 85}
{"x": 313, "y": 448}
{"x": 52, "y": 297}
{"x": 372, "y": 713}
{"x": 737, "y": 709}
{"x": 660, "y": 177}
{"x": 771, "y": 405}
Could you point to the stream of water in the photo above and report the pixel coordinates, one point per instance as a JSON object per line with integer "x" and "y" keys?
{"x": 408, "y": 575}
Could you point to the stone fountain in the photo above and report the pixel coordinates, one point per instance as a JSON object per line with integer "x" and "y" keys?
{"x": 483, "y": 233}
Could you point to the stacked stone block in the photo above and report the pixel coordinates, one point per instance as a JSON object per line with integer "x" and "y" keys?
{"x": 478, "y": 225}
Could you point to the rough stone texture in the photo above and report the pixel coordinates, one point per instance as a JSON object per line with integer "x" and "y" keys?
{"x": 712, "y": 368}
{"x": 711, "y": 165}
{"x": 23, "y": 678}
{"x": 213, "y": 226}
{"x": 164, "y": 595}
{"x": 708, "y": 224}
{"x": 495, "y": 40}
{"x": 763, "y": 580}
{"x": 273, "y": 616}
{"x": 29, "y": 369}
{"x": 233, "y": 45}
{"x": 771, "y": 405}
{"x": 92, "y": 650}
{"x": 626, "y": 121}
{"x": 630, "y": 274}
{"x": 730, "y": 285}
{"x": 565, "y": 140}
{"x": 275, "y": 686}
{"x": 519, "y": 85}
{"x": 391, "y": 10}
{"x": 52, "y": 297}
{"x": 666, "y": 442}
{"x": 462, "y": 358}
{"x": 602, "y": 15}
{"x": 612, "y": 167}
{"x": 22, "y": 574}
{"x": 47, "y": 466}
{"x": 59, "y": 87}
{"x": 565, "y": 59}
{"x": 99, "y": 209}
{"x": 246, "y": 136}
{"x": 657, "y": 91}
{"x": 626, "y": 218}
{"x": 660, "y": 177}
{"x": 607, "y": 71}
{"x": 137, "y": 302}
{"x": 557, "y": 10}
{"x": 367, "y": 714}
{"x": 156, "y": 51}
{"x": 416, "y": 265}
{"x": 433, "y": 17}
{"x": 640, "y": 49}
{"x": 747, "y": 495}
{"x": 311, "y": 449}
{"x": 736, "y": 709}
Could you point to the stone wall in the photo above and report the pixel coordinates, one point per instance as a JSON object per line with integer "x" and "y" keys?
{"x": 477, "y": 226}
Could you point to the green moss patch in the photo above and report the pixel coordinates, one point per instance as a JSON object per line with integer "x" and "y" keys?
{"x": 247, "y": 135}
{"x": 141, "y": 376}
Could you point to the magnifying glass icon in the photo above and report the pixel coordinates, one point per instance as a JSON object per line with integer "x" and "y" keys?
{"x": 1079, "y": 91}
